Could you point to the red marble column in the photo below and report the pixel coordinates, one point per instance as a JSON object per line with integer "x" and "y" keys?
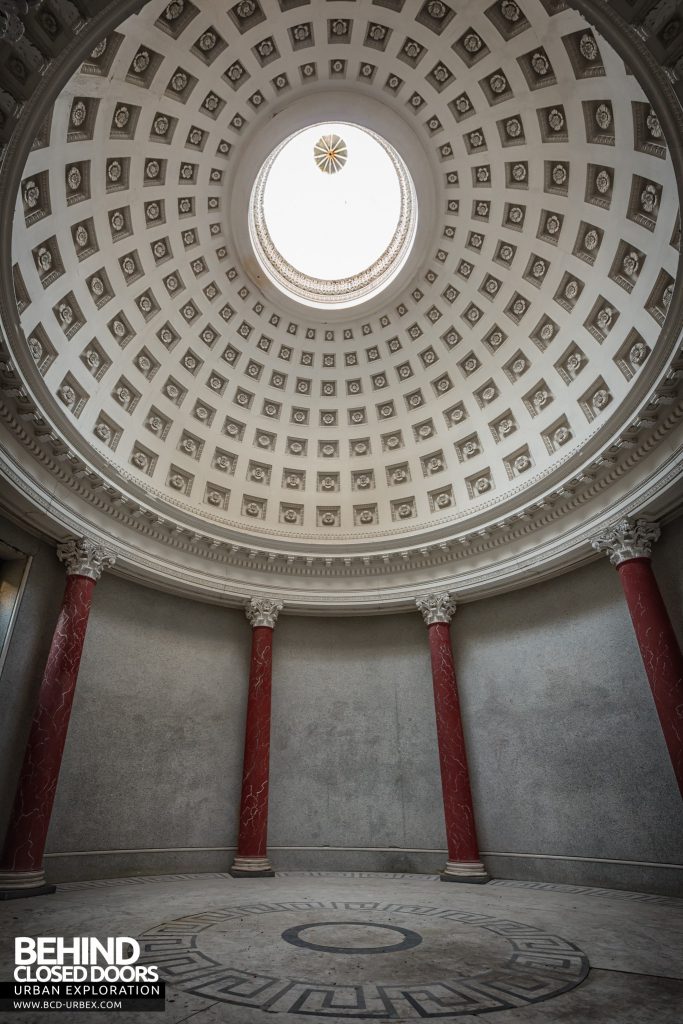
{"x": 463, "y": 863}
{"x": 21, "y": 865}
{"x": 629, "y": 545}
{"x": 251, "y": 860}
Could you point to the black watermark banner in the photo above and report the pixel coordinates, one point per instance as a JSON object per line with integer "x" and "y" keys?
{"x": 37, "y": 996}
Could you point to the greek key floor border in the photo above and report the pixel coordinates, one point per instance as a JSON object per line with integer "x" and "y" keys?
{"x": 509, "y": 883}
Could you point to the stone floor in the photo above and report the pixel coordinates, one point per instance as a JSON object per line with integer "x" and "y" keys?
{"x": 361, "y": 946}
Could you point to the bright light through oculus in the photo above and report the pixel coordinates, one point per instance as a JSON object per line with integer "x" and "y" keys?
{"x": 332, "y": 226}
{"x": 333, "y": 239}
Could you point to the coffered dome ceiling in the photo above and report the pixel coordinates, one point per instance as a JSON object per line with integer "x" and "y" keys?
{"x": 466, "y": 425}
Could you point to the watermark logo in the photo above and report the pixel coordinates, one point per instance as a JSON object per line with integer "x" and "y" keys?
{"x": 81, "y": 973}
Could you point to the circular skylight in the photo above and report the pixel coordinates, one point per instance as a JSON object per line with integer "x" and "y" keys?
{"x": 333, "y": 215}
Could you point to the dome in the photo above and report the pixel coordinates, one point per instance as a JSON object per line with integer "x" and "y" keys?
{"x": 494, "y": 384}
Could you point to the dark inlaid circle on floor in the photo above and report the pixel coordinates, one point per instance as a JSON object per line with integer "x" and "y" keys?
{"x": 351, "y": 930}
{"x": 465, "y": 964}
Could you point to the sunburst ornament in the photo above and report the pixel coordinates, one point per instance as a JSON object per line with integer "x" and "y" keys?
{"x": 330, "y": 153}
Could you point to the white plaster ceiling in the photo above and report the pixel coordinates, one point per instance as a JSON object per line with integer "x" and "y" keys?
{"x": 512, "y": 343}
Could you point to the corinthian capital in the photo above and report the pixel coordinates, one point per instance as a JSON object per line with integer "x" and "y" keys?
{"x": 437, "y": 607}
{"x": 84, "y": 557}
{"x": 262, "y": 611}
{"x": 629, "y": 538}
{"x": 12, "y": 14}
{"x": 11, "y": 25}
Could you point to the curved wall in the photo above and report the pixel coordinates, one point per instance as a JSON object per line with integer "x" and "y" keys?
{"x": 571, "y": 778}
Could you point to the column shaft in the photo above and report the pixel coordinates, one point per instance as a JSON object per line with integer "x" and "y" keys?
{"x": 30, "y": 818}
{"x": 660, "y": 652}
{"x": 252, "y": 850}
{"x": 461, "y": 833}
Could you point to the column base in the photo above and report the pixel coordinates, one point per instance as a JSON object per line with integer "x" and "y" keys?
{"x": 471, "y": 871}
{"x": 251, "y": 867}
{"x": 19, "y": 885}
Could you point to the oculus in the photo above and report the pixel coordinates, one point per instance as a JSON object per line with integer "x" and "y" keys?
{"x": 335, "y": 239}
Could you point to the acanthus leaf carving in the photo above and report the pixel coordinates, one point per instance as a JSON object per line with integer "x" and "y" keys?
{"x": 84, "y": 557}
{"x": 12, "y": 13}
{"x": 627, "y": 539}
{"x": 263, "y": 611}
{"x": 439, "y": 607}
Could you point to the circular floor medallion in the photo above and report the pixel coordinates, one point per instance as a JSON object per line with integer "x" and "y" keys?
{"x": 355, "y": 932}
{"x": 450, "y": 963}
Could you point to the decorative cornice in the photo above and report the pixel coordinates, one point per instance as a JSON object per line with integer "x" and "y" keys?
{"x": 232, "y": 583}
{"x": 262, "y": 611}
{"x": 627, "y": 539}
{"x": 84, "y": 557}
{"x": 504, "y": 545}
{"x": 437, "y": 607}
